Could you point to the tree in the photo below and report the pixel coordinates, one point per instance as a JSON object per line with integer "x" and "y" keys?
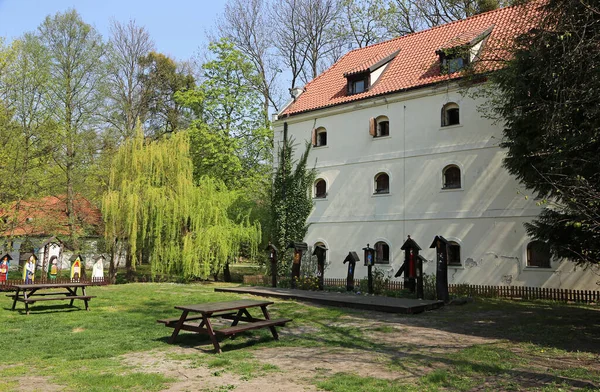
{"x": 76, "y": 72}
{"x": 25, "y": 126}
{"x": 363, "y": 20}
{"x": 233, "y": 106}
{"x": 128, "y": 45}
{"x": 246, "y": 24}
{"x": 154, "y": 206}
{"x": 549, "y": 97}
{"x": 161, "y": 79}
{"x": 291, "y": 201}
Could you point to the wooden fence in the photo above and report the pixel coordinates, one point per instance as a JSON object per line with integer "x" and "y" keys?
{"x": 7, "y": 284}
{"x": 512, "y": 292}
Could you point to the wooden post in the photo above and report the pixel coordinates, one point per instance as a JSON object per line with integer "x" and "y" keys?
{"x": 369, "y": 262}
{"x": 441, "y": 276}
{"x": 299, "y": 248}
{"x": 409, "y": 268}
{"x": 273, "y": 258}
{"x": 321, "y": 252}
{"x": 352, "y": 259}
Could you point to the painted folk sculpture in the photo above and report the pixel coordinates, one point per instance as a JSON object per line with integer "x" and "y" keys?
{"x": 76, "y": 269}
{"x": 4, "y": 266}
{"x": 369, "y": 262}
{"x": 299, "y": 249}
{"x": 53, "y": 268}
{"x": 98, "y": 269}
{"x": 29, "y": 270}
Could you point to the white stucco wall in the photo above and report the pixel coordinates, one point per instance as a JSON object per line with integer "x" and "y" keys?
{"x": 485, "y": 216}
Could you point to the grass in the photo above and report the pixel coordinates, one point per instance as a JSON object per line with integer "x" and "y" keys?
{"x": 92, "y": 351}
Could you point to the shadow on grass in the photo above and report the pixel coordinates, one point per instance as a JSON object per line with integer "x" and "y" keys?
{"x": 45, "y": 309}
{"x": 566, "y": 327}
{"x": 203, "y": 343}
{"x": 486, "y": 361}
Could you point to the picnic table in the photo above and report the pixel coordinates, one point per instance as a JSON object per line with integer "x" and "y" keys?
{"x": 29, "y": 293}
{"x": 237, "y": 311}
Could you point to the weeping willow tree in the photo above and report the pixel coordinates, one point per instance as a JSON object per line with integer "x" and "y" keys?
{"x": 155, "y": 212}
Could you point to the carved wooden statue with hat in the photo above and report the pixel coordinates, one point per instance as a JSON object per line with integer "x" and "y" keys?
{"x": 441, "y": 272}
{"x": 351, "y": 259}
{"x": 299, "y": 249}
{"x": 412, "y": 268}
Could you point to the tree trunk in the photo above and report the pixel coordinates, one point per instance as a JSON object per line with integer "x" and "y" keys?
{"x": 226, "y": 273}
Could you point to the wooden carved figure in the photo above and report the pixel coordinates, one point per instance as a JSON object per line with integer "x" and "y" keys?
{"x": 369, "y": 262}
{"x": 321, "y": 252}
{"x": 98, "y": 269}
{"x": 53, "y": 268}
{"x": 441, "y": 272}
{"x": 352, "y": 259}
{"x": 29, "y": 269}
{"x": 412, "y": 268}
{"x": 4, "y": 265}
{"x": 299, "y": 249}
{"x": 76, "y": 269}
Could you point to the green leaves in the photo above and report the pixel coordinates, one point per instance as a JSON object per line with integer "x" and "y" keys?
{"x": 551, "y": 104}
{"x": 291, "y": 201}
{"x": 154, "y": 205}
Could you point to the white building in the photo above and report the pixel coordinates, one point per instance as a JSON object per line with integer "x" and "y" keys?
{"x": 400, "y": 150}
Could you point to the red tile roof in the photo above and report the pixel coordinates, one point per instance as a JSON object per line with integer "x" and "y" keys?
{"x": 48, "y": 216}
{"x": 417, "y": 64}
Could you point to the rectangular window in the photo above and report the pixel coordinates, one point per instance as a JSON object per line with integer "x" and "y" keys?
{"x": 358, "y": 84}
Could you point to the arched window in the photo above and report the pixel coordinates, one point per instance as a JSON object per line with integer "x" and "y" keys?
{"x": 379, "y": 126}
{"x": 538, "y": 254}
{"x": 450, "y": 114}
{"x": 382, "y": 253}
{"x": 319, "y": 137}
{"x": 382, "y": 183}
{"x": 320, "y": 188}
{"x": 383, "y": 126}
{"x": 454, "y": 253}
{"x": 451, "y": 177}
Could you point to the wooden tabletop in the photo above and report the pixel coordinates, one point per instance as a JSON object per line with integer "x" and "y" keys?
{"x": 212, "y": 307}
{"x": 30, "y": 286}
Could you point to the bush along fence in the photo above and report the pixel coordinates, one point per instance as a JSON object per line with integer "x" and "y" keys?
{"x": 512, "y": 292}
{"x": 6, "y": 285}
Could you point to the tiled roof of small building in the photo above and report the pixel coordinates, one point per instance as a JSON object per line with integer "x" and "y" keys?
{"x": 48, "y": 216}
{"x": 417, "y": 64}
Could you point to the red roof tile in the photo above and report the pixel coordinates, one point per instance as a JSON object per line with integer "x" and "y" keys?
{"x": 417, "y": 64}
{"x": 48, "y": 216}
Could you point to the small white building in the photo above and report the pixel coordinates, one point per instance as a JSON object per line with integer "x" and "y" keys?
{"x": 401, "y": 149}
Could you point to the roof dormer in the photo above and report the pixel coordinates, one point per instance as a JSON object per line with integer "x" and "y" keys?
{"x": 363, "y": 77}
{"x": 463, "y": 49}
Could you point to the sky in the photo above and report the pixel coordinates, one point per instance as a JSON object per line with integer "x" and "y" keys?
{"x": 178, "y": 27}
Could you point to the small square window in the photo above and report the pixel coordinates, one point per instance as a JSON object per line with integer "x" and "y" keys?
{"x": 358, "y": 83}
{"x": 383, "y": 128}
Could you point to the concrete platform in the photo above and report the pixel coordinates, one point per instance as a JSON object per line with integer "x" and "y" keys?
{"x": 376, "y": 303}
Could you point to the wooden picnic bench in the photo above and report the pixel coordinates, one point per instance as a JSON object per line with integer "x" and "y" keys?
{"x": 237, "y": 311}
{"x": 30, "y": 293}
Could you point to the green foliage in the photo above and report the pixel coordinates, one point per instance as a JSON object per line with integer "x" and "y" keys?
{"x": 380, "y": 282}
{"x": 154, "y": 206}
{"x": 162, "y": 79}
{"x": 291, "y": 201}
{"x": 307, "y": 282}
{"x": 550, "y": 101}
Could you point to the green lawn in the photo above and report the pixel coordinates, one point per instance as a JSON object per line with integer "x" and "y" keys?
{"x": 77, "y": 350}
